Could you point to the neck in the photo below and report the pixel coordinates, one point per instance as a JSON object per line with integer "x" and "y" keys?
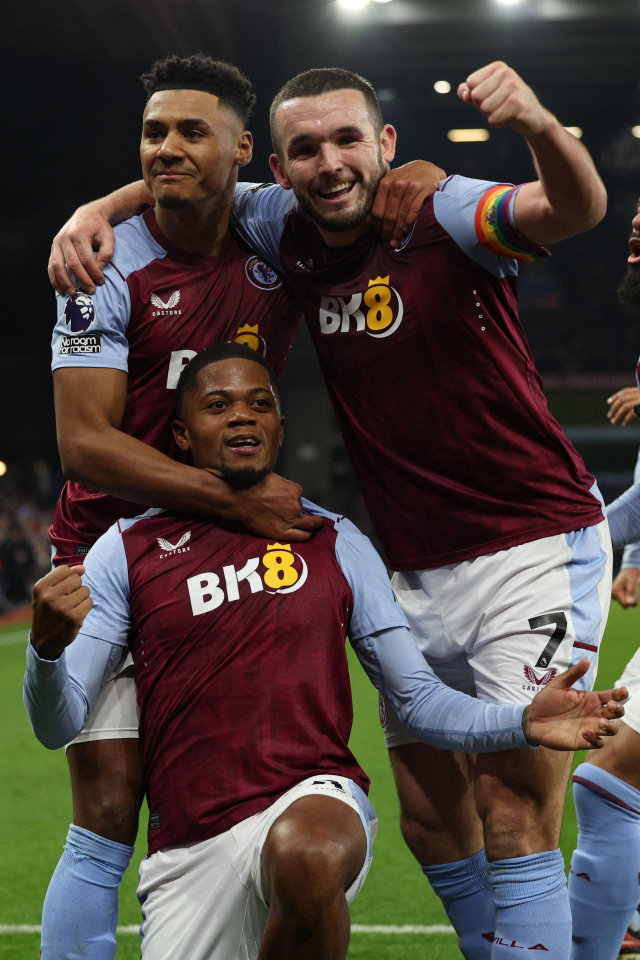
{"x": 346, "y": 237}
{"x": 201, "y": 228}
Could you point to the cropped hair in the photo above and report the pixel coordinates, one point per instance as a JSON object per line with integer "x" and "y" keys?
{"x": 313, "y": 83}
{"x": 200, "y": 72}
{"x": 188, "y": 381}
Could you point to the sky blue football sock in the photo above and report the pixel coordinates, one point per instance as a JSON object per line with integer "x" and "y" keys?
{"x": 603, "y": 882}
{"x": 532, "y": 907}
{"x": 80, "y": 913}
{"x": 464, "y": 889}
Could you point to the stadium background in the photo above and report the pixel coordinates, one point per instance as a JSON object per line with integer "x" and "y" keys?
{"x": 72, "y": 105}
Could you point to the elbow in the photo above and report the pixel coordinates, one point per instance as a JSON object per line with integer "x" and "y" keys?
{"x": 596, "y": 212}
{"x": 76, "y": 455}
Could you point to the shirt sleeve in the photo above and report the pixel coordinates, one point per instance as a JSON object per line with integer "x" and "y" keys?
{"x": 375, "y": 606}
{"x": 91, "y": 329}
{"x": 624, "y": 517}
{"x": 259, "y": 215}
{"x": 107, "y": 576}
{"x": 431, "y": 711}
{"x": 60, "y": 694}
{"x": 478, "y": 215}
{"x": 631, "y": 555}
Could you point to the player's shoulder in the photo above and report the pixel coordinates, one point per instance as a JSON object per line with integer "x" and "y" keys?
{"x": 349, "y": 537}
{"x": 262, "y": 201}
{"x": 467, "y": 187}
{"x": 135, "y": 247}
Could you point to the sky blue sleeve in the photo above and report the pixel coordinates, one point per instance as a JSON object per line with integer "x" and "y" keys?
{"x": 259, "y": 215}
{"x": 107, "y": 576}
{"x": 624, "y": 517}
{"x": 431, "y": 711}
{"x": 91, "y": 330}
{"x": 631, "y": 555}
{"x": 375, "y": 606}
{"x": 478, "y": 215}
{"x": 60, "y": 694}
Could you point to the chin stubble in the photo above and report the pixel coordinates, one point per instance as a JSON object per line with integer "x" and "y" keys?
{"x": 242, "y": 478}
{"x": 341, "y": 222}
{"x": 173, "y": 203}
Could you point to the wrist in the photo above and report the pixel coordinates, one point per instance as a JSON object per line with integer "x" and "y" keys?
{"x": 527, "y": 725}
{"x": 545, "y": 126}
{"x": 46, "y": 649}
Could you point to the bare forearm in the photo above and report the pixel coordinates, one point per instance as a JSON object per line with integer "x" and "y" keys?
{"x": 125, "y": 202}
{"x": 570, "y": 196}
{"x": 115, "y": 463}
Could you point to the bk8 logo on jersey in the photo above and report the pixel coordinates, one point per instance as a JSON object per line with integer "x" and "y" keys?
{"x": 280, "y": 570}
{"x": 378, "y": 311}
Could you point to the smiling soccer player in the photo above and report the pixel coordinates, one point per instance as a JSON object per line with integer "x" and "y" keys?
{"x": 260, "y": 831}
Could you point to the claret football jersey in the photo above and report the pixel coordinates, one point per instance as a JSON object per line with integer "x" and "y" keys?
{"x": 430, "y": 374}
{"x": 157, "y": 308}
{"x": 239, "y": 649}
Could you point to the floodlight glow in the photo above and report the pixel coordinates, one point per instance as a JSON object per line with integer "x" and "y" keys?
{"x": 636, "y": 132}
{"x": 3, "y": 468}
{"x": 508, "y": 3}
{"x": 576, "y": 131}
{"x": 442, "y": 86}
{"x": 353, "y": 4}
{"x": 468, "y": 136}
{"x": 381, "y": 1}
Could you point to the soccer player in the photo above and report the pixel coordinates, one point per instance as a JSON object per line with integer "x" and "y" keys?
{"x": 259, "y": 831}
{"x": 605, "y": 868}
{"x": 178, "y": 282}
{"x": 485, "y": 511}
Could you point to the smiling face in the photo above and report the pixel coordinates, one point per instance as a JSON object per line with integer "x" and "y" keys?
{"x": 331, "y": 155}
{"x": 231, "y": 422}
{"x": 629, "y": 289}
{"x": 191, "y": 147}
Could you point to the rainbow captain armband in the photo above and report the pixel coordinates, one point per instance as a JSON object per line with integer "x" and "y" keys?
{"x": 495, "y": 230}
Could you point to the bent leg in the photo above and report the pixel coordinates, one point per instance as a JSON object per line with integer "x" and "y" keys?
{"x": 520, "y": 798}
{"x": 441, "y": 827}
{"x": 313, "y": 853}
{"x": 80, "y": 911}
{"x": 605, "y": 868}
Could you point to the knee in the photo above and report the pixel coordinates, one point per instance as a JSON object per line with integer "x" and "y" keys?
{"x": 305, "y": 875}
{"x": 112, "y": 813}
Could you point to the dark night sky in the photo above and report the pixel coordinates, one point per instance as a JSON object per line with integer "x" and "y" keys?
{"x": 72, "y": 105}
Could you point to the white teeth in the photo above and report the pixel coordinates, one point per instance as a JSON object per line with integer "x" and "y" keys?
{"x": 338, "y": 187}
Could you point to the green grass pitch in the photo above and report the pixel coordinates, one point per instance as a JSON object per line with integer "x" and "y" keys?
{"x": 36, "y": 808}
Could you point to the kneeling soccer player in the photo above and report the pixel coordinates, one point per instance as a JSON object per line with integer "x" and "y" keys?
{"x": 260, "y": 830}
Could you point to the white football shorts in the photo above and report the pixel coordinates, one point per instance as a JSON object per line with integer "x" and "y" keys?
{"x": 205, "y": 902}
{"x": 631, "y": 680}
{"x": 500, "y": 627}
{"x": 115, "y": 715}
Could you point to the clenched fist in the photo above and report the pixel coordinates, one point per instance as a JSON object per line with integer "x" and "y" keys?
{"x": 505, "y": 99}
{"x": 60, "y": 603}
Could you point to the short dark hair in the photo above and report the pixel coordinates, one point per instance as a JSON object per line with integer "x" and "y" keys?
{"x": 199, "y": 72}
{"x": 312, "y": 83}
{"x": 188, "y": 381}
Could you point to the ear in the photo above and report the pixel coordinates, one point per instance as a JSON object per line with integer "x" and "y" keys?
{"x": 244, "y": 151}
{"x": 181, "y": 435}
{"x": 277, "y": 169}
{"x": 281, "y": 436}
{"x": 388, "y": 140}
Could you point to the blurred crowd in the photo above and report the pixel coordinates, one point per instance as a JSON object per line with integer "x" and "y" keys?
{"x": 25, "y": 549}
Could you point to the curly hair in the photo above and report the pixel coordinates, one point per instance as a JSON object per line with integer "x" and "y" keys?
{"x": 200, "y": 72}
